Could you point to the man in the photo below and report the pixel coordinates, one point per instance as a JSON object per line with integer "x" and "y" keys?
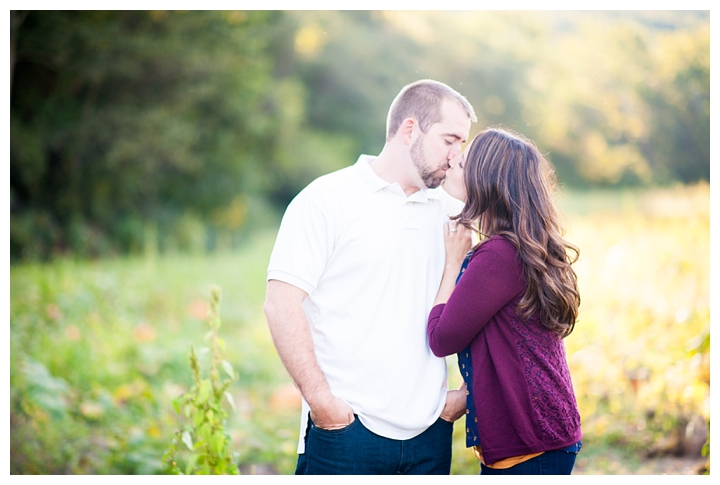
{"x": 351, "y": 280}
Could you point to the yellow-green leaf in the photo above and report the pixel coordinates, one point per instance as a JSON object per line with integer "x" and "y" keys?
{"x": 191, "y": 464}
{"x": 230, "y": 399}
{"x": 187, "y": 439}
{"x": 228, "y": 369}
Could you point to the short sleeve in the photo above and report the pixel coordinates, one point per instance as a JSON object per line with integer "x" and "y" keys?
{"x": 304, "y": 242}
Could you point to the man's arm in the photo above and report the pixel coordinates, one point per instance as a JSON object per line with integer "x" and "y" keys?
{"x": 291, "y": 335}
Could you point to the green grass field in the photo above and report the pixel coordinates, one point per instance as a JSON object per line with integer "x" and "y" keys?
{"x": 99, "y": 348}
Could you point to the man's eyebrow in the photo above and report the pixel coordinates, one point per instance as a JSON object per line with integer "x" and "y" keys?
{"x": 459, "y": 137}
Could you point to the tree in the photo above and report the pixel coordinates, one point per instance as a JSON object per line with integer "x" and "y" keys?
{"x": 121, "y": 118}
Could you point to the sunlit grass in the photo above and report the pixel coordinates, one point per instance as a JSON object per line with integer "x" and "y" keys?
{"x": 99, "y": 349}
{"x": 640, "y": 352}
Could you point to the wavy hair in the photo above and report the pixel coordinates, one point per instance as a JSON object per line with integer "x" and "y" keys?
{"x": 510, "y": 188}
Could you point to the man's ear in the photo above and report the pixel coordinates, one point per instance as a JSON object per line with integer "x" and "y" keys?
{"x": 408, "y": 126}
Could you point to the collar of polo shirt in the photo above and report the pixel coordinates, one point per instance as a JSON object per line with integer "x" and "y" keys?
{"x": 374, "y": 183}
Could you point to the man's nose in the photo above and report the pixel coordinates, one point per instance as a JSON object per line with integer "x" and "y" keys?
{"x": 455, "y": 150}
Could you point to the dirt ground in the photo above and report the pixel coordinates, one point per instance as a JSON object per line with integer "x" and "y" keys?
{"x": 617, "y": 465}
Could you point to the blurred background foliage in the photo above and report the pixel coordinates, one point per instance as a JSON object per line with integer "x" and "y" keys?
{"x": 99, "y": 348}
{"x": 138, "y": 131}
{"x": 152, "y": 154}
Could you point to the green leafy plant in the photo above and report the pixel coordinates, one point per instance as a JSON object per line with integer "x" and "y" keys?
{"x": 204, "y": 434}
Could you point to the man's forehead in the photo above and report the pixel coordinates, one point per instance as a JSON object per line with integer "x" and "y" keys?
{"x": 454, "y": 113}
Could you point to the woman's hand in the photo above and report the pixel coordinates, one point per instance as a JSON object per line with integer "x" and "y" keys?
{"x": 458, "y": 241}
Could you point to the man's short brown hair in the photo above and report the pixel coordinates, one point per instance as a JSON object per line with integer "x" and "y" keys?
{"x": 423, "y": 101}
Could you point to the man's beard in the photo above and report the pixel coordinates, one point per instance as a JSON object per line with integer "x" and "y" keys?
{"x": 431, "y": 179}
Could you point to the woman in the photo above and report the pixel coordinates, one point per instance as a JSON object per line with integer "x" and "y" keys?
{"x": 516, "y": 299}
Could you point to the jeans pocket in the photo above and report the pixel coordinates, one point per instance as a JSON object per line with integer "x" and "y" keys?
{"x": 345, "y": 429}
{"x": 442, "y": 420}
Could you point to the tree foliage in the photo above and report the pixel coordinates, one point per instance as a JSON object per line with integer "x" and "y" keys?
{"x": 120, "y": 118}
{"x": 179, "y": 129}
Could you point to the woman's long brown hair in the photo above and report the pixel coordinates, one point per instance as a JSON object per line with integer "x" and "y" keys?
{"x": 510, "y": 188}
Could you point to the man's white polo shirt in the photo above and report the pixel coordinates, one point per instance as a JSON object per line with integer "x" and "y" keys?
{"x": 370, "y": 259}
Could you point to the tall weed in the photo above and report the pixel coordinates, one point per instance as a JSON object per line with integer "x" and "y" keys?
{"x": 205, "y": 432}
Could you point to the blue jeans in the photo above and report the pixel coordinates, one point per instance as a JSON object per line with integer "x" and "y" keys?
{"x": 355, "y": 450}
{"x": 557, "y": 462}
